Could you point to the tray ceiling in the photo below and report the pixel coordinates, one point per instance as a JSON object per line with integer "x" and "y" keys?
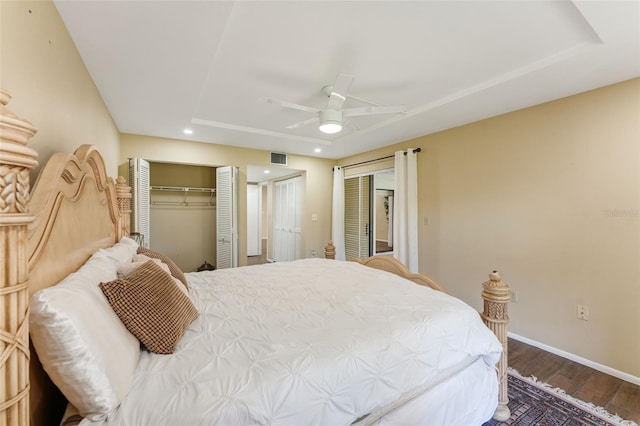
{"x": 163, "y": 66}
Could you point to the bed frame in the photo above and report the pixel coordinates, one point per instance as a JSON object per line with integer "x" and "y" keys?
{"x": 42, "y": 240}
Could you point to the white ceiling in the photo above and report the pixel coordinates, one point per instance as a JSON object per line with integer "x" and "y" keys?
{"x": 162, "y": 66}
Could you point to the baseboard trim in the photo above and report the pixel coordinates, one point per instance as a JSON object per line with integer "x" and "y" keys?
{"x": 596, "y": 366}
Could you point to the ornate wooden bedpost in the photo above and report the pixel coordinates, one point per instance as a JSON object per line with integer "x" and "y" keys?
{"x": 16, "y": 160}
{"x": 496, "y": 317}
{"x": 123, "y": 194}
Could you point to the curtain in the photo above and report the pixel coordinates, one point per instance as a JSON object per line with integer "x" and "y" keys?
{"x": 405, "y": 209}
{"x": 337, "y": 213}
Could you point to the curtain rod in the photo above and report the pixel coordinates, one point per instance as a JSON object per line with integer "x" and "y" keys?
{"x": 377, "y": 159}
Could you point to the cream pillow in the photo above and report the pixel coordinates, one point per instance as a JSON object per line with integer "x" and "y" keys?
{"x": 82, "y": 344}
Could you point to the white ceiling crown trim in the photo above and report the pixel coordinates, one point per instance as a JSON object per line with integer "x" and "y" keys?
{"x": 264, "y": 132}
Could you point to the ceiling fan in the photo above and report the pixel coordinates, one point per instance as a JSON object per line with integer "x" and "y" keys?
{"x": 331, "y": 116}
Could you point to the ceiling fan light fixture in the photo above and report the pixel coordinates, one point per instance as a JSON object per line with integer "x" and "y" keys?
{"x": 330, "y": 121}
{"x": 330, "y": 127}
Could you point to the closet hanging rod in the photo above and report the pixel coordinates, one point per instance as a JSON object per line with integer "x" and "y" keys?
{"x": 181, "y": 189}
{"x": 182, "y": 203}
{"x": 415, "y": 151}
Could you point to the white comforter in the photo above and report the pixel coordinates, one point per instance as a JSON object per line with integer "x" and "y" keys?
{"x": 310, "y": 342}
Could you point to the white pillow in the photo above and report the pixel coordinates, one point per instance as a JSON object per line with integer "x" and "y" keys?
{"x": 141, "y": 258}
{"x": 121, "y": 252}
{"x": 82, "y": 344}
{"x": 126, "y": 269}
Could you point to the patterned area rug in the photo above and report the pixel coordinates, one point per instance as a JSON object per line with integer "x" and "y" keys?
{"x": 535, "y": 403}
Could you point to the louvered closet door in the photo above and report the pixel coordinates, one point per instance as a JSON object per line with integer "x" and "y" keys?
{"x": 287, "y": 220}
{"x": 357, "y": 239}
{"x": 226, "y": 217}
{"x": 139, "y": 180}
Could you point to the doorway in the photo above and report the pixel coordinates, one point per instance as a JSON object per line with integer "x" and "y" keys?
{"x": 368, "y": 214}
{"x": 279, "y": 212}
{"x": 383, "y": 206}
{"x": 256, "y": 224}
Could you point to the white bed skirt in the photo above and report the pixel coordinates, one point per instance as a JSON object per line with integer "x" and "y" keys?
{"x": 441, "y": 405}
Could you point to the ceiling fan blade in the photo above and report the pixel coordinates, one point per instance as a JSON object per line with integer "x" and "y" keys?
{"x": 290, "y": 105}
{"x": 302, "y": 123}
{"x": 350, "y": 124}
{"x": 339, "y": 91}
{"x": 392, "y": 109}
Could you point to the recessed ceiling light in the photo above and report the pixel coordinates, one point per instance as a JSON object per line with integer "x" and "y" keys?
{"x": 267, "y": 171}
{"x": 317, "y": 150}
{"x": 188, "y": 131}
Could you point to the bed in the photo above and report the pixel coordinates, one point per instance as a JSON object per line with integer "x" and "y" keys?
{"x": 314, "y": 341}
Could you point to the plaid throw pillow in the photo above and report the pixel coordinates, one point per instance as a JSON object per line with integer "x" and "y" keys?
{"x": 175, "y": 271}
{"x": 151, "y": 306}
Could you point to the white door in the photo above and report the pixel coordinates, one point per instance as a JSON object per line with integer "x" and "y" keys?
{"x": 227, "y": 217}
{"x": 139, "y": 180}
{"x": 254, "y": 210}
{"x": 287, "y": 220}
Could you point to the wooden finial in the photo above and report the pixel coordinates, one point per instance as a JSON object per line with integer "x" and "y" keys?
{"x": 330, "y": 250}
{"x": 16, "y": 159}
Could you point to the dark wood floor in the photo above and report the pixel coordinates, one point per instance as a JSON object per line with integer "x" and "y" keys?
{"x": 382, "y": 246}
{"x": 615, "y": 395}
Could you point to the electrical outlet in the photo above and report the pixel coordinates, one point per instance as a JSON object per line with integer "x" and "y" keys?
{"x": 313, "y": 253}
{"x": 513, "y": 295}
{"x": 582, "y": 312}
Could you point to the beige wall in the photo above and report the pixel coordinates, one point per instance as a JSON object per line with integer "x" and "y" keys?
{"x": 550, "y": 196}
{"x": 41, "y": 68}
{"x": 318, "y": 180}
{"x": 181, "y": 175}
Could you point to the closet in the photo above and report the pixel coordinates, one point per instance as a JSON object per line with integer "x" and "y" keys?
{"x": 287, "y": 219}
{"x": 181, "y": 202}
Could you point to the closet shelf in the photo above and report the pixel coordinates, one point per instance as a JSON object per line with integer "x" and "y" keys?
{"x": 182, "y": 189}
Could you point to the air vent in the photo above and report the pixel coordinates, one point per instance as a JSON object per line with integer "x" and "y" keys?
{"x": 279, "y": 158}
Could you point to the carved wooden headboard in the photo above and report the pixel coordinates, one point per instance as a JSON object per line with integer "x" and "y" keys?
{"x": 73, "y": 210}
